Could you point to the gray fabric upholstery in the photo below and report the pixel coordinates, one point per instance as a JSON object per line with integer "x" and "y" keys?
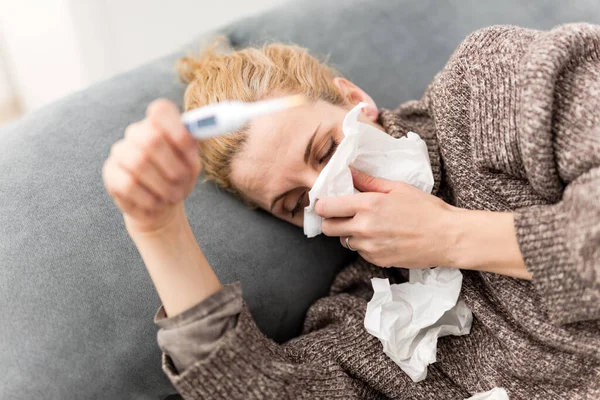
{"x": 76, "y": 300}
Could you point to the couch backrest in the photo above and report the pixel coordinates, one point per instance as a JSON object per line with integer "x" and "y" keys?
{"x": 76, "y": 302}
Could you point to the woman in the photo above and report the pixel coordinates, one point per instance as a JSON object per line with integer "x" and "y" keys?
{"x": 512, "y": 125}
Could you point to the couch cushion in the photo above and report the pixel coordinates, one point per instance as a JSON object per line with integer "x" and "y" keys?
{"x": 75, "y": 297}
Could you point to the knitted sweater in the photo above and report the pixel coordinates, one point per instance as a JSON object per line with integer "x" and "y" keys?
{"x": 512, "y": 123}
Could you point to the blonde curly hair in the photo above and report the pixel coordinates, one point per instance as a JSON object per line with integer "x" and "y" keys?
{"x": 249, "y": 74}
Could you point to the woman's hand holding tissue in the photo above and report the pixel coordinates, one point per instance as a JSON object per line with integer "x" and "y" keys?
{"x": 390, "y": 223}
{"x": 396, "y": 224}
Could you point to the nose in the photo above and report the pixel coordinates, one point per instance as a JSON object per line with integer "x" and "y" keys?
{"x": 309, "y": 177}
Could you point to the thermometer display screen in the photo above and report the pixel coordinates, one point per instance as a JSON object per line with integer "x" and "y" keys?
{"x": 204, "y": 122}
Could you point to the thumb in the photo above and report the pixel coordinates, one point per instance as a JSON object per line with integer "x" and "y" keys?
{"x": 368, "y": 183}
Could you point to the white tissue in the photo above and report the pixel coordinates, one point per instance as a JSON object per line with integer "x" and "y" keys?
{"x": 408, "y": 318}
{"x": 494, "y": 394}
{"x": 371, "y": 151}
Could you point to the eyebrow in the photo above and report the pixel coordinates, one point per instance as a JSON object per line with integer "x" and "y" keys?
{"x": 309, "y": 145}
{"x": 306, "y": 156}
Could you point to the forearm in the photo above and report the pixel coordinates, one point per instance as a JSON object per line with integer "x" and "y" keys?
{"x": 177, "y": 266}
{"x": 486, "y": 241}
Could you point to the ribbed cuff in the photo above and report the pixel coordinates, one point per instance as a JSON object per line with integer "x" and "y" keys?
{"x": 239, "y": 365}
{"x": 543, "y": 239}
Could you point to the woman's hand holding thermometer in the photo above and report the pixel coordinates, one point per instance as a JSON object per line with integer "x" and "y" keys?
{"x": 152, "y": 169}
{"x": 155, "y": 166}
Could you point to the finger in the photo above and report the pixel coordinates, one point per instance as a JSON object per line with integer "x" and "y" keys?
{"x": 138, "y": 163}
{"x": 342, "y": 206}
{"x": 368, "y": 183}
{"x": 120, "y": 183}
{"x": 345, "y": 241}
{"x": 337, "y": 227}
{"x": 165, "y": 114}
{"x": 170, "y": 162}
{"x": 352, "y": 243}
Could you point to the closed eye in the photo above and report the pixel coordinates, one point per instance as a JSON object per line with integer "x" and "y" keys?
{"x": 298, "y": 205}
{"x": 332, "y": 147}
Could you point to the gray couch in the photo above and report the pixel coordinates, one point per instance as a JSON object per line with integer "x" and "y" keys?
{"x": 76, "y": 302}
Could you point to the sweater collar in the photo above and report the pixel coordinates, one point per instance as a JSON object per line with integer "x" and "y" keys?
{"x": 397, "y": 125}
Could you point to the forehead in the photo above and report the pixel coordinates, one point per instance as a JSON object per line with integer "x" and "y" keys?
{"x": 273, "y": 154}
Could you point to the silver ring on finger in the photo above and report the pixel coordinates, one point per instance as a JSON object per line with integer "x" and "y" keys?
{"x": 348, "y": 244}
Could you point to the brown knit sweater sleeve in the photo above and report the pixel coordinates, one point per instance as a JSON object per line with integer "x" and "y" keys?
{"x": 559, "y": 137}
{"x": 193, "y": 334}
{"x": 561, "y": 247}
{"x": 241, "y": 363}
{"x": 534, "y": 114}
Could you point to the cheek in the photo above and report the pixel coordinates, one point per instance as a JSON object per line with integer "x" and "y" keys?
{"x": 298, "y": 220}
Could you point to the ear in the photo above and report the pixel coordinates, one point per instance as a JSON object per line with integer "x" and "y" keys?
{"x": 354, "y": 95}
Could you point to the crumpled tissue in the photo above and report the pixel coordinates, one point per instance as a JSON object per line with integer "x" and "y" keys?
{"x": 496, "y": 393}
{"x": 408, "y": 318}
{"x": 373, "y": 152}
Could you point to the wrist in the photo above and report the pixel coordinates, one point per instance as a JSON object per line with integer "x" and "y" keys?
{"x": 454, "y": 237}
{"x": 470, "y": 237}
{"x": 484, "y": 241}
{"x": 170, "y": 223}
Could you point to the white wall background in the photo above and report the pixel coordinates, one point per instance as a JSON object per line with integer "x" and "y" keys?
{"x": 6, "y": 89}
{"x": 55, "y": 47}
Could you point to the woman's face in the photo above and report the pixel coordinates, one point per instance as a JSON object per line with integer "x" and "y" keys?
{"x": 286, "y": 151}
